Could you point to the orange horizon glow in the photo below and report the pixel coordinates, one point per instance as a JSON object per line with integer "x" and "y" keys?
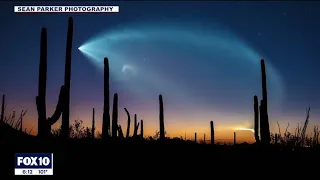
{"x": 223, "y": 132}
{"x": 177, "y": 124}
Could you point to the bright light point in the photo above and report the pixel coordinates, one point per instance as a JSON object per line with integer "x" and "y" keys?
{"x": 244, "y": 129}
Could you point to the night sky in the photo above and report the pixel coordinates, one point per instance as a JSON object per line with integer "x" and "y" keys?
{"x": 202, "y": 56}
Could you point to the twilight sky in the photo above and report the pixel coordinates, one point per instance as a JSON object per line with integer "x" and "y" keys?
{"x": 202, "y": 56}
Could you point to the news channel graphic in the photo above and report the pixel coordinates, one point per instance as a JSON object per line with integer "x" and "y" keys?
{"x": 66, "y": 9}
{"x": 33, "y": 164}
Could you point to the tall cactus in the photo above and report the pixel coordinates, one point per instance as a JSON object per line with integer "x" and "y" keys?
{"x": 2, "y": 108}
{"x": 42, "y": 84}
{"x": 106, "y": 102}
{"x": 93, "y": 124}
{"x": 264, "y": 122}
{"x": 212, "y": 132}
{"x": 264, "y": 85}
{"x": 141, "y": 129}
{"x": 128, "y": 123}
{"x": 161, "y": 118}
{"x": 256, "y": 119}
{"x": 115, "y": 116}
{"x": 261, "y": 109}
{"x": 234, "y": 138}
{"x": 195, "y": 137}
{"x": 135, "y": 125}
{"x": 44, "y": 124}
{"x": 67, "y": 79}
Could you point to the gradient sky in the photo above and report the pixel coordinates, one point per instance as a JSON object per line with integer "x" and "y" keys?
{"x": 202, "y": 56}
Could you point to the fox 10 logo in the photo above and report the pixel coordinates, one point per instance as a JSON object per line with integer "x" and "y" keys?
{"x": 33, "y": 164}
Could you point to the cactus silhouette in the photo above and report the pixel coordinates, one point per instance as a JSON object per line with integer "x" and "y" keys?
{"x": 234, "y": 138}
{"x": 212, "y": 132}
{"x": 141, "y": 129}
{"x": 136, "y": 126}
{"x": 44, "y": 124}
{"x": 115, "y": 116}
{"x": 261, "y": 109}
{"x": 120, "y": 132}
{"x": 93, "y": 124}
{"x": 161, "y": 118}
{"x": 264, "y": 119}
{"x": 106, "y": 103}
{"x": 67, "y": 79}
{"x": 204, "y": 138}
{"x": 2, "y": 108}
{"x": 256, "y": 119}
{"x": 128, "y": 123}
{"x": 195, "y": 137}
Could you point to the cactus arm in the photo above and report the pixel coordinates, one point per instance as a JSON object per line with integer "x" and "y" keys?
{"x": 59, "y": 108}
{"x": 128, "y": 125}
{"x": 120, "y": 132}
{"x": 136, "y": 129}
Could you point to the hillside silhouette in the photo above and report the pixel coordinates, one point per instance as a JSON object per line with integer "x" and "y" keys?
{"x": 80, "y": 151}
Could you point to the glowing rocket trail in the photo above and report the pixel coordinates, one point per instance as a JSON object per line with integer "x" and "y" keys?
{"x": 179, "y": 54}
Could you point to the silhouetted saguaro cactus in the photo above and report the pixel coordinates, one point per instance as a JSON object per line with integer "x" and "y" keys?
{"x": 67, "y": 79}
{"x": 2, "y": 108}
{"x": 264, "y": 122}
{"x": 256, "y": 119}
{"x": 128, "y": 123}
{"x": 161, "y": 118}
{"x": 93, "y": 123}
{"x": 195, "y": 137}
{"x": 264, "y": 85}
{"x": 136, "y": 126}
{"x": 115, "y": 116}
{"x": 204, "y": 138}
{"x": 120, "y": 132}
{"x": 106, "y": 103}
{"x": 44, "y": 124}
{"x": 42, "y": 84}
{"x": 234, "y": 138}
{"x": 141, "y": 129}
{"x": 261, "y": 109}
{"x": 212, "y": 132}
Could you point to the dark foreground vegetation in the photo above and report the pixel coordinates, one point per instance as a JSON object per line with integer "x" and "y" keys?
{"x": 81, "y": 150}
